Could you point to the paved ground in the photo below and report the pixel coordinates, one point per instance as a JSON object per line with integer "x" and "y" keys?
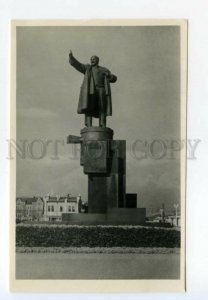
{"x": 97, "y": 266}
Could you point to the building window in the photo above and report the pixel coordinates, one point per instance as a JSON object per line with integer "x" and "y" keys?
{"x": 49, "y": 208}
{"x": 61, "y": 208}
{"x": 73, "y": 208}
{"x": 69, "y": 209}
{"x": 52, "y": 208}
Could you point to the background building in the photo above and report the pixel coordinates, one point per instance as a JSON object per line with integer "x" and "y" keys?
{"x": 55, "y": 206}
{"x": 29, "y": 209}
{"x": 48, "y": 208}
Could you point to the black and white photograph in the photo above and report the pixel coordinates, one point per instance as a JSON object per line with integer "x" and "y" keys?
{"x": 98, "y": 155}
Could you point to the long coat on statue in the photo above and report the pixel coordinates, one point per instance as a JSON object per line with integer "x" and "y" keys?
{"x": 88, "y": 88}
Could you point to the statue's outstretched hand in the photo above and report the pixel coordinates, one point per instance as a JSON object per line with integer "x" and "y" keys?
{"x": 70, "y": 53}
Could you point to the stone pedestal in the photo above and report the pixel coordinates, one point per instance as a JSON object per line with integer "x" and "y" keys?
{"x": 96, "y": 133}
{"x": 104, "y": 162}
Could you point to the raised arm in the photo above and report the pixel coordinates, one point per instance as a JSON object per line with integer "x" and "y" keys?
{"x": 76, "y": 64}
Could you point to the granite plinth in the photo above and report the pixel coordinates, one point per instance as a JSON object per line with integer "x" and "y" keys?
{"x": 131, "y": 200}
{"x": 126, "y": 216}
{"x": 84, "y": 219}
{"x": 104, "y": 161}
{"x": 96, "y": 133}
{"x": 114, "y": 216}
{"x": 108, "y": 189}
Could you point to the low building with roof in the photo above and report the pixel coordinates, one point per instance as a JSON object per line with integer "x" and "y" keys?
{"x": 55, "y": 206}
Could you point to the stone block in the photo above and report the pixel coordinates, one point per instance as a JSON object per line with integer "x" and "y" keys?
{"x": 84, "y": 219}
{"x": 126, "y": 216}
{"x": 131, "y": 200}
{"x": 109, "y": 190}
{"x": 95, "y": 158}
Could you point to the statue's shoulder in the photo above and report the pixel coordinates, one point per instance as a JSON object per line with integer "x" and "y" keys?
{"x": 104, "y": 69}
{"x": 87, "y": 67}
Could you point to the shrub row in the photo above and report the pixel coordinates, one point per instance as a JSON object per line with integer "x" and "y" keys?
{"x": 95, "y": 237}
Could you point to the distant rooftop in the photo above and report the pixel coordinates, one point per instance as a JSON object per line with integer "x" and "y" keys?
{"x": 52, "y": 198}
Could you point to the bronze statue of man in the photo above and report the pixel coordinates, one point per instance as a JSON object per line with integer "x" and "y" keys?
{"x": 95, "y": 94}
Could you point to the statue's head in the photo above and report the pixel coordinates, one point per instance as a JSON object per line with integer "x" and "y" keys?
{"x": 94, "y": 60}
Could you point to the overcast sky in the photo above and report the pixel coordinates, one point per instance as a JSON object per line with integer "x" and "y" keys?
{"x": 146, "y": 104}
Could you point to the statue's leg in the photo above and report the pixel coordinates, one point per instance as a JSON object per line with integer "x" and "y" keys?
{"x": 88, "y": 121}
{"x": 102, "y": 120}
{"x": 102, "y": 104}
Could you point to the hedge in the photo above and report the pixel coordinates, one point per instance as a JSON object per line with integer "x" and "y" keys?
{"x": 30, "y": 236}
